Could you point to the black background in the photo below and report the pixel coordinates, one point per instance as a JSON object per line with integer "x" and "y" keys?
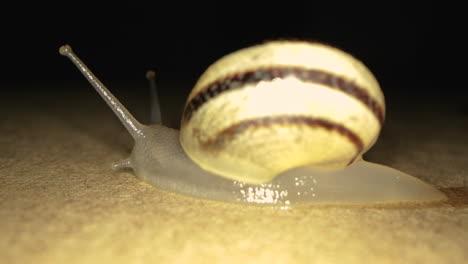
{"x": 120, "y": 41}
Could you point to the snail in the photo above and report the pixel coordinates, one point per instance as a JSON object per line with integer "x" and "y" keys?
{"x": 282, "y": 123}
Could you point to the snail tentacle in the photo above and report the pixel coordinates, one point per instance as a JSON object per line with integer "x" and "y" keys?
{"x": 123, "y": 164}
{"x": 134, "y": 127}
{"x": 155, "y": 104}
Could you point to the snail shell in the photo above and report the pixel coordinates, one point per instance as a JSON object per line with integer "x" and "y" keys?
{"x": 284, "y": 123}
{"x": 265, "y": 109}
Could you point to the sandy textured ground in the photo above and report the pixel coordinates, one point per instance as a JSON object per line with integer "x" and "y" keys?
{"x": 61, "y": 203}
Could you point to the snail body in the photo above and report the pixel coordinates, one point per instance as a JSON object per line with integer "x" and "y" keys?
{"x": 282, "y": 123}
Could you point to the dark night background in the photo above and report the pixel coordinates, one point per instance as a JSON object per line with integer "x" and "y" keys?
{"x": 121, "y": 40}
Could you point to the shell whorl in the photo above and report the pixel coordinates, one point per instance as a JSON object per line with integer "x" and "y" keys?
{"x": 265, "y": 109}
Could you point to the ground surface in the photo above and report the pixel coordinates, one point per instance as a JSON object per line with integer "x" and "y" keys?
{"x": 61, "y": 203}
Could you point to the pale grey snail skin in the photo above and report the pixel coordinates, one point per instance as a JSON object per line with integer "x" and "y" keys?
{"x": 159, "y": 158}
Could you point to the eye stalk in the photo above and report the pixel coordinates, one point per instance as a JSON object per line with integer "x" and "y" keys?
{"x": 131, "y": 124}
{"x": 155, "y": 106}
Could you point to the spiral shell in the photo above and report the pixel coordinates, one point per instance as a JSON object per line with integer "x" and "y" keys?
{"x": 262, "y": 110}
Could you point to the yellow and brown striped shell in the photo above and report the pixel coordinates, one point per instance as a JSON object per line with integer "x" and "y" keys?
{"x": 262, "y": 110}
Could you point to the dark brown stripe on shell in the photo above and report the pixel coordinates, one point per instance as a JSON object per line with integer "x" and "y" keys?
{"x": 228, "y": 134}
{"x": 238, "y": 80}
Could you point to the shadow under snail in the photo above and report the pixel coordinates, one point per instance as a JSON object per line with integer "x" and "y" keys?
{"x": 281, "y": 123}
